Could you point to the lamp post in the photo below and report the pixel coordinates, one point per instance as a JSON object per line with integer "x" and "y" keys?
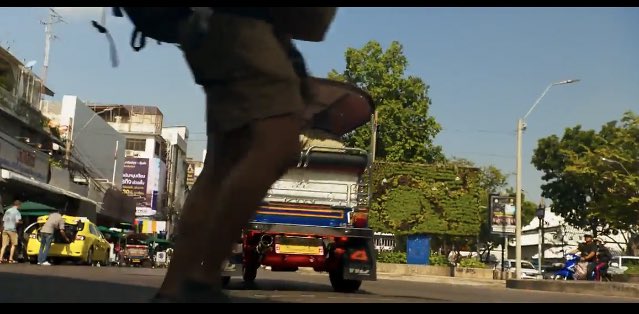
{"x": 521, "y": 126}
{"x": 541, "y": 212}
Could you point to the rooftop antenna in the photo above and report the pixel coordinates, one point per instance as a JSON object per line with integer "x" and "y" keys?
{"x": 54, "y": 18}
{"x": 8, "y": 44}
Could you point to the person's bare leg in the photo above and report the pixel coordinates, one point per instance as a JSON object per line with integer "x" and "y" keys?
{"x": 198, "y": 207}
{"x": 3, "y": 250}
{"x": 274, "y": 148}
{"x": 11, "y": 251}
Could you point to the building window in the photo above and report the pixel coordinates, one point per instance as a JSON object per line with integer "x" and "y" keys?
{"x": 135, "y": 144}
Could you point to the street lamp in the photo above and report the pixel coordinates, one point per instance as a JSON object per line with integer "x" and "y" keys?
{"x": 521, "y": 126}
{"x": 541, "y": 212}
{"x": 616, "y": 162}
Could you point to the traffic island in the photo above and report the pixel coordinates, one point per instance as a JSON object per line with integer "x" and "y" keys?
{"x": 614, "y": 289}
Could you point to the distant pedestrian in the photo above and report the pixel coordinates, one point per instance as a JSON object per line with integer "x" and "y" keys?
{"x": 10, "y": 221}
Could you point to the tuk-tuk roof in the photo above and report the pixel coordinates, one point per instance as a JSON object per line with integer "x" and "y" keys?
{"x": 158, "y": 240}
{"x": 107, "y": 230}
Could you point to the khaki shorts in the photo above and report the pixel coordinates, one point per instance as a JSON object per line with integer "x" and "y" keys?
{"x": 245, "y": 70}
{"x": 9, "y": 236}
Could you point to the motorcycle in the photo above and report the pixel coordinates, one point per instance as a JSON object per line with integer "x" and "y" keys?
{"x": 568, "y": 271}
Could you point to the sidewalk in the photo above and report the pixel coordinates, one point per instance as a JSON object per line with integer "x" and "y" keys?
{"x": 444, "y": 279}
{"x": 615, "y": 289}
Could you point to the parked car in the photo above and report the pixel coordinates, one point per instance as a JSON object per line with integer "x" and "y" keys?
{"x": 528, "y": 270}
{"x": 620, "y": 264}
{"x": 87, "y": 245}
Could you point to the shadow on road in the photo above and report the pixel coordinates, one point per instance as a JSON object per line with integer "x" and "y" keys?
{"x": 283, "y": 285}
{"x": 25, "y": 288}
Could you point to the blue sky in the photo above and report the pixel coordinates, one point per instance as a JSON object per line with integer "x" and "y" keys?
{"x": 485, "y": 68}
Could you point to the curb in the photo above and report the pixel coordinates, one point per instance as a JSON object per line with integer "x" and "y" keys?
{"x": 613, "y": 289}
{"x": 423, "y": 278}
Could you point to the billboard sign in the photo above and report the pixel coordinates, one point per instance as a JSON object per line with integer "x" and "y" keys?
{"x": 502, "y": 214}
{"x": 190, "y": 174}
{"x": 135, "y": 183}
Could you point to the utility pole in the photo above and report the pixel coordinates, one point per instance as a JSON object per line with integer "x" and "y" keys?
{"x": 115, "y": 163}
{"x": 373, "y": 135}
{"x": 54, "y": 18}
{"x": 373, "y": 148}
{"x": 69, "y": 146}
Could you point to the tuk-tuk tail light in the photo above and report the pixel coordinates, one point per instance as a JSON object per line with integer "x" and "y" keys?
{"x": 80, "y": 237}
{"x": 33, "y": 236}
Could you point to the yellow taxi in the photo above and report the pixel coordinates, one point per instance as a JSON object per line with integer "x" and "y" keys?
{"x": 87, "y": 246}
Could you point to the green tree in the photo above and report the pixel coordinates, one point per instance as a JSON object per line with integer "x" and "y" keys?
{"x": 492, "y": 180}
{"x": 592, "y": 177}
{"x": 414, "y": 198}
{"x": 405, "y": 130}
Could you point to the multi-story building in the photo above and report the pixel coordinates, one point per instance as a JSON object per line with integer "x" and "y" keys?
{"x": 29, "y": 144}
{"x": 558, "y": 238}
{"x": 144, "y": 173}
{"x": 177, "y": 139}
{"x": 99, "y": 148}
{"x": 93, "y": 141}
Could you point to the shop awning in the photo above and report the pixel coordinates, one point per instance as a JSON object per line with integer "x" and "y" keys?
{"x": 10, "y": 175}
{"x": 34, "y": 213}
{"x": 30, "y": 206}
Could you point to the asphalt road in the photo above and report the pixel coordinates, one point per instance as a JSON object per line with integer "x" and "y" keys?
{"x": 32, "y": 283}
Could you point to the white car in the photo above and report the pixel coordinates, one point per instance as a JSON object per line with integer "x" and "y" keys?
{"x": 619, "y": 264}
{"x": 528, "y": 271}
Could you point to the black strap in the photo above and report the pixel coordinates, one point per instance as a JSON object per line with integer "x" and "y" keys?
{"x": 117, "y": 11}
{"x": 141, "y": 42}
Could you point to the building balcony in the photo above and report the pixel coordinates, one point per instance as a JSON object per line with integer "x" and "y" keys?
{"x": 136, "y": 128}
{"x": 21, "y": 110}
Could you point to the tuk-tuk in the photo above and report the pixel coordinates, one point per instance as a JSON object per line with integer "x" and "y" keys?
{"x": 161, "y": 250}
{"x": 136, "y": 251}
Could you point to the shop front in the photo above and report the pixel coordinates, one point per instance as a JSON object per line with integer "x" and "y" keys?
{"x": 14, "y": 185}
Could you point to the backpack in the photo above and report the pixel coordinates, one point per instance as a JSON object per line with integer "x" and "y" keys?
{"x": 145, "y": 21}
{"x": 159, "y": 23}
{"x": 162, "y": 24}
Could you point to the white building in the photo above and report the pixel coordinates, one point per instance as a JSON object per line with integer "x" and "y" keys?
{"x": 177, "y": 139}
{"x": 94, "y": 142}
{"x": 559, "y": 237}
{"x": 33, "y": 158}
{"x": 144, "y": 173}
